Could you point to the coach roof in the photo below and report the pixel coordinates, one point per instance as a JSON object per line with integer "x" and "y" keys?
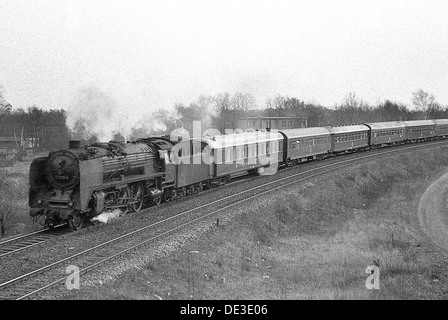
{"x": 385, "y": 125}
{"x": 348, "y": 129}
{"x": 238, "y": 139}
{"x": 305, "y": 132}
{"x": 441, "y": 121}
{"x": 416, "y": 123}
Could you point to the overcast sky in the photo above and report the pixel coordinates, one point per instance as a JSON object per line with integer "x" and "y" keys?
{"x": 152, "y": 54}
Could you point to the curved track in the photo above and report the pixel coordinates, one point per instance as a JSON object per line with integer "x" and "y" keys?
{"x": 432, "y": 212}
{"x": 32, "y": 283}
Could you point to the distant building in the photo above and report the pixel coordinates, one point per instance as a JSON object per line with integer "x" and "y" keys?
{"x": 270, "y": 122}
{"x": 11, "y": 149}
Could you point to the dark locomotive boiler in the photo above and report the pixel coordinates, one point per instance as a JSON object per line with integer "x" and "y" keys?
{"x": 76, "y": 184}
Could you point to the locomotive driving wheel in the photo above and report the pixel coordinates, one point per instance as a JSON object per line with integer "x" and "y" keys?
{"x": 137, "y": 197}
{"x": 75, "y": 221}
{"x": 157, "y": 200}
{"x": 124, "y": 199}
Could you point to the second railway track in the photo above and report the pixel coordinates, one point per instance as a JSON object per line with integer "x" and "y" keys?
{"x": 48, "y": 276}
{"x": 29, "y": 240}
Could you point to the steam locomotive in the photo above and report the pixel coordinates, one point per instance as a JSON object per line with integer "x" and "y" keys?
{"x": 79, "y": 183}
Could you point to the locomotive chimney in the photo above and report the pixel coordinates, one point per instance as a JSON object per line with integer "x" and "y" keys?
{"x": 74, "y": 144}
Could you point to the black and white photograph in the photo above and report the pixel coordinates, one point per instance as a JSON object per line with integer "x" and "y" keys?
{"x": 223, "y": 155}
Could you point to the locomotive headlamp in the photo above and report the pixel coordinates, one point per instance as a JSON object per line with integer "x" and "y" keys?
{"x": 70, "y": 204}
{"x": 39, "y": 201}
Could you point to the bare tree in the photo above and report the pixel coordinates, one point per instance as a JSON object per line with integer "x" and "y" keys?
{"x": 423, "y": 101}
{"x": 243, "y": 102}
{"x": 8, "y": 203}
{"x": 5, "y": 107}
{"x": 222, "y": 110}
{"x": 351, "y": 108}
{"x": 277, "y": 103}
{"x": 36, "y": 125}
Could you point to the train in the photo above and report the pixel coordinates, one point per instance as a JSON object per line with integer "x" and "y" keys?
{"x": 79, "y": 183}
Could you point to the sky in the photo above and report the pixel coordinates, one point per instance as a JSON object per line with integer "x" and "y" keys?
{"x": 152, "y": 54}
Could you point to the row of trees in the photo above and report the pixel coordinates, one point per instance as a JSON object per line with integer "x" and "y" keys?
{"x": 46, "y": 130}
{"x": 40, "y": 129}
{"x": 223, "y": 110}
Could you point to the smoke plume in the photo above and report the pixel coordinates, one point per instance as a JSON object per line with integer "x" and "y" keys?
{"x": 95, "y": 113}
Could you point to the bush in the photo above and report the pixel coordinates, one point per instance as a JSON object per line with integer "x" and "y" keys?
{"x": 8, "y": 203}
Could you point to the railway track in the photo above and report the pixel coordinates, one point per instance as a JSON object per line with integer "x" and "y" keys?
{"x": 32, "y": 283}
{"x": 29, "y": 240}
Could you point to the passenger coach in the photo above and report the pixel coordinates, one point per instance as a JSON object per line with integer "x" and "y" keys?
{"x": 349, "y": 138}
{"x": 242, "y": 153}
{"x": 386, "y": 133}
{"x": 441, "y": 127}
{"x": 305, "y": 144}
{"x": 419, "y": 129}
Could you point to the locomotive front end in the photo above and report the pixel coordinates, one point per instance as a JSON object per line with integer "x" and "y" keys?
{"x": 54, "y": 187}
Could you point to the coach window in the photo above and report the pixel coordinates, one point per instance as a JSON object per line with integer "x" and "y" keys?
{"x": 250, "y": 150}
{"x": 262, "y": 148}
{"x": 196, "y": 147}
{"x": 238, "y": 152}
{"x": 229, "y": 154}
